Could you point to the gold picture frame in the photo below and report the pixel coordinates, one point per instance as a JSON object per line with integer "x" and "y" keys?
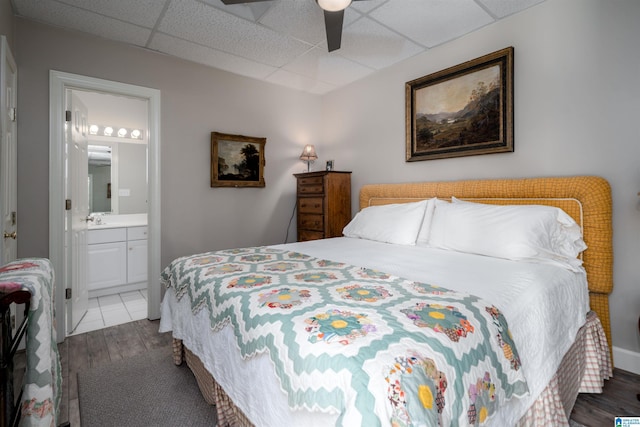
{"x": 237, "y": 160}
{"x": 463, "y": 110}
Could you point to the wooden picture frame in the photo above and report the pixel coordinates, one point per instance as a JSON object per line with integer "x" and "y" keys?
{"x": 463, "y": 110}
{"x": 237, "y": 160}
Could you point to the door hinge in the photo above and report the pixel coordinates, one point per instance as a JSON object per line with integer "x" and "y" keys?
{"x": 67, "y": 293}
{"x": 67, "y": 116}
{"x": 14, "y": 217}
{"x": 67, "y": 205}
{"x": 12, "y": 114}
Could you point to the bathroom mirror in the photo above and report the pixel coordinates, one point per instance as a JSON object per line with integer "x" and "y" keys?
{"x": 117, "y": 177}
{"x": 100, "y": 181}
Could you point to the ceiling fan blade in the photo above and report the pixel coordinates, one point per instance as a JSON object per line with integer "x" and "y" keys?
{"x": 228, "y": 2}
{"x": 333, "y": 24}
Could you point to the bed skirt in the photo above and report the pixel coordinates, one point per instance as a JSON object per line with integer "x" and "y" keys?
{"x": 583, "y": 370}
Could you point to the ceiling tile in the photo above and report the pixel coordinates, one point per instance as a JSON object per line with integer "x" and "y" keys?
{"x": 328, "y": 67}
{"x": 208, "y": 26}
{"x": 298, "y": 82}
{"x": 211, "y": 57}
{"x": 250, "y": 11}
{"x": 432, "y": 22}
{"x": 367, "y": 6}
{"x": 303, "y": 20}
{"x": 281, "y": 41}
{"x": 62, "y": 15}
{"x": 139, "y": 12}
{"x": 373, "y": 45}
{"x": 501, "y": 8}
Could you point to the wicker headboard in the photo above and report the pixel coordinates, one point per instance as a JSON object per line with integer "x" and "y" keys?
{"x": 586, "y": 198}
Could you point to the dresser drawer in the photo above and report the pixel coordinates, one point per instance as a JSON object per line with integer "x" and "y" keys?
{"x": 311, "y": 185}
{"x": 311, "y": 222}
{"x": 311, "y": 180}
{"x": 311, "y": 189}
{"x": 313, "y": 205}
{"x": 304, "y": 235}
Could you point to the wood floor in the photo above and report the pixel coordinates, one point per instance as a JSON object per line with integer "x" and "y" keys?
{"x": 120, "y": 342}
{"x": 96, "y": 348}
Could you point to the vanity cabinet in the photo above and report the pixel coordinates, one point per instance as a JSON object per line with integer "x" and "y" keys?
{"x": 136, "y": 254}
{"x": 107, "y": 258}
{"x": 116, "y": 256}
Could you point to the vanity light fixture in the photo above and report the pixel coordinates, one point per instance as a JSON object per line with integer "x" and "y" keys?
{"x": 308, "y": 155}
{"x": 100, "y": 130}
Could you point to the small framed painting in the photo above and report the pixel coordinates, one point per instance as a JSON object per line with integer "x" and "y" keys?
{"x": 237, "y": 160}
{"x": 461, "y": 111}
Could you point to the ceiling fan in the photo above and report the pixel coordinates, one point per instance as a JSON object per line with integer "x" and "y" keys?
{"x": 333, "y": 18}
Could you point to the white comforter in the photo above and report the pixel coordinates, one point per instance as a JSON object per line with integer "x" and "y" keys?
{"x": 545, "y": 306}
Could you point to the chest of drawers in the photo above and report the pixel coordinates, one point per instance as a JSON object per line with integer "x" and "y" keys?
{"x": 324, "y": 204}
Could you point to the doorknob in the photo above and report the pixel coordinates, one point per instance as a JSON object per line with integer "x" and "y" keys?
{"x": 87, "y": 219}
{"x": 13, "y": 235}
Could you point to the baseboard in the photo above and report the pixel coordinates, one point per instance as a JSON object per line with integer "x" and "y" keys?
{"x": 626, "y": 359}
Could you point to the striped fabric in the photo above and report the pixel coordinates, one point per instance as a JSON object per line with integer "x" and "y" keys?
{"x": 583, "y": 370}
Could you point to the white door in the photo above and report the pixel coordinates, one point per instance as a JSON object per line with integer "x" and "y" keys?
{"x": 77, "y": 134}
{"x": 8, "y": 154}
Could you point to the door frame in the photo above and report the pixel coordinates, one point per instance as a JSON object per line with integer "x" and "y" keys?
{"x": 6, "y": 58}
{"x": 58, "y": 83}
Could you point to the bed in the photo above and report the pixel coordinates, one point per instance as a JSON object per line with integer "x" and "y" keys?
{"x": 414, "y": 318}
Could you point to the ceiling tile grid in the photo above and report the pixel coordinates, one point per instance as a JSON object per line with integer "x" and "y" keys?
{"x": 434, "y": 22}
{"x": 197, "y": 22}
{"x": 278, "y": 41}
{"x": 70, "y": 17}
{"x": 333, "y": 69}
{"x": 140, "y": 12}
{"x": 213, "y": 58}
{"x": 374, "y": 45}
{"x": 502, "y": 8}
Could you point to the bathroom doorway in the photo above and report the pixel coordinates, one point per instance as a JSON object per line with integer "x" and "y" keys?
{"x": 117, "y": 175}
{"x": 146, "y": 237}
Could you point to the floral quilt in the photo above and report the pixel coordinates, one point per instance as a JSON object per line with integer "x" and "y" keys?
{"x": 41, "y": 393}
{"x": 374, "y": 348}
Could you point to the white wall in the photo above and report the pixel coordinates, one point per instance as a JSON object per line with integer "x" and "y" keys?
{"x": 196, "y": 100}
{"x": 132, "y": 179}
{"x": 6, "y": 22}
{"x": 577, "y": 111}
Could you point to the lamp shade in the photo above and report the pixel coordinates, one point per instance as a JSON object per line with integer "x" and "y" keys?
{"x": 309, "y": 153}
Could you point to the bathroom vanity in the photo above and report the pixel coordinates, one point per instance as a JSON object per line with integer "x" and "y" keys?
{"x": 117, "y": 256}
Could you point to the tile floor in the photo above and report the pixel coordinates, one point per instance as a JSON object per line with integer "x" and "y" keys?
{"x": 113, "y": 310}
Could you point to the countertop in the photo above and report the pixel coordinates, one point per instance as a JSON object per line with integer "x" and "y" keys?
{"x": 119, "y": 221}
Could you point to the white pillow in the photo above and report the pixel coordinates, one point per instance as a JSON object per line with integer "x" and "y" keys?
{"x": 425, "y": 229}
{"x": 517, "y": 232}
{"x": 396, "y": 223}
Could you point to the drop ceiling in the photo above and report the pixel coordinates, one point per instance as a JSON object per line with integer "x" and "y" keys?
{"x": 278, "y": 41}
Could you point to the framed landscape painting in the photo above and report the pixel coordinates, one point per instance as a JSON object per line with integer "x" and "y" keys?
{"x": 461, "y": 111}
{"x": 237, "y": 160}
